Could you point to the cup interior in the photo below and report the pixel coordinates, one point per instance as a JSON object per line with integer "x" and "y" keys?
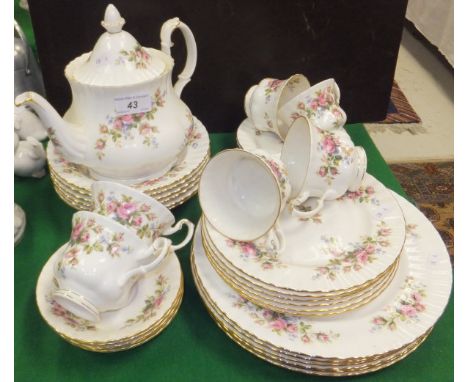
{"x": 296, "y": 154}
{"x": 239, "y": 195}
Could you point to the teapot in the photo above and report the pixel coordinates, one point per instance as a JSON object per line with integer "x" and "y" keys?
{"x": 126, "y": 122}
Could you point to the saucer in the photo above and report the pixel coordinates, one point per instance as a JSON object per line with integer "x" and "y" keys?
{"x": 197, "y": 149}
{"x": 404, "y": 312}
{"x": 352, "y": 240}
{"x": 251, "y": 139}
{"x": 157, "y": 297}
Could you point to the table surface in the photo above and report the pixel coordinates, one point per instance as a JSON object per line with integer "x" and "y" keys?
{"x": 192, "y": 347}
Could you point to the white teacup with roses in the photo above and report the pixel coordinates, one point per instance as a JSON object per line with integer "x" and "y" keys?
{"x": 101, "y": 264}
{"x": 319, "y": 165}
{"x": 147, "y": 217}
{"x": 320, "y": 103}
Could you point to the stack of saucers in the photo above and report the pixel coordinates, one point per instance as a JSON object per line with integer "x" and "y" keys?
{"x": 117, "y": 283}
{"x": 73, "y": 182}
{"x": 303, "y": 258}
{"x": 364, "y": 340}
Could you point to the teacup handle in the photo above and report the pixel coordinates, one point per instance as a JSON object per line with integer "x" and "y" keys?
{"x": 162, "y": 246}
{"x": 276, "y": 236}
{"x": 302, "y": 198}
{"x": 177, "y": 227}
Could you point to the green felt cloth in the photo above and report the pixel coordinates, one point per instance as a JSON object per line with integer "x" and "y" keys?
{"x": 192, "y": 348}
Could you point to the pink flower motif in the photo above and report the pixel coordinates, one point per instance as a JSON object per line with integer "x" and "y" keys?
{"x": 146, "y": 129}
{"x": 323, "y": 270}
{"x": 279, "y": 324}
{"x": 77, "y": 228}
{"x": 137, "y": 221}
{"x": 333, "y": 170}
{"x": 314, "y": 105}
{"x": 112, "y": 207}
{"x": 384, "y": 231}
{"x": 268, "y": 315}
{"x": 118, "y": 124}
{"x": 300, "y": 106}
{"x": 305, "y": 338}
{"x": 103, "y": 129}
{"x": 127, "y": 118}
{"x": 248, "y": 249}
{"x": 420, "y": 307}
{"x": 329, "y": 145}
{"x": 322, "y": 99}
{"x": 125, "y": 210}
{"x": 322, "y": 171}
{"x": 158, "y": 301}
{"x": 370, "y": 248}
{"x": 85, "y": 237}
{"x": 267, "y": 265}
{"x": 230, "y": 243}
{"x": 370, "y": 190}
{"x": 323, "y": 337}
{"x": 416, "y": 296}
{"x": 379, "y": 321}
{"x": 362, "y": 257}
{"x": 408, "y": 310}
{"x": 100, "y": 144}
{"x": 291, "y": 328}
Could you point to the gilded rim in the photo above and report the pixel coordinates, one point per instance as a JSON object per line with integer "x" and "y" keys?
{"x": 178, "y": 181}
{"x": 293, "y": 299}
{"x": 264, "y": 164}
{"x": 329, "y": 360}
{"x": 325, "y": 312}
{"x": 273, "y": 289}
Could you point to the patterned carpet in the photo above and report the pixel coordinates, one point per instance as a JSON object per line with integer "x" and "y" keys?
{"x": 431, "y": 187}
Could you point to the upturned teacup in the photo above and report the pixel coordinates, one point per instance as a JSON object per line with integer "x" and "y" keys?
{"x": 101, "y": 264}
{"x": 242, "y": 195}
{"x": 147, "y": 217}
{"x": 262, "y": 101}
{"x": 319, "y": 165}
{"x": 319, "y": 103}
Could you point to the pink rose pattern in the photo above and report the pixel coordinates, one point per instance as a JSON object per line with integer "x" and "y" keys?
{"x": 280, "y": 324}
{"x": 365, "y": 194}
{"x": 77, "y": 323}
{"x": 87, "y": 236}
{"x": 332, "y": 155}
{"x": 138, "y": 55}
{"x": 280, "y": 174}
{"x": 272, "y": 87}
{"x": 268, "y": 258}
{"x": 323, "y": 102}
{"x": 153, "y": 302}
{"x": 358, "y": 256}
{"x": 192, "y": 138}
{"x": 405, "y": 309}
{"x": 130, "y": 213}
{"x": 124, "y": 127}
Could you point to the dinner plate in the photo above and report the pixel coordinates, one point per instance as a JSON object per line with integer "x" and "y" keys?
{"x": 404, "y": 312}
{"x": 352, "y": 240}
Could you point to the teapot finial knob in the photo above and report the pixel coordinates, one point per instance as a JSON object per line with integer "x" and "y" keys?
{"x": 113, "y": 22}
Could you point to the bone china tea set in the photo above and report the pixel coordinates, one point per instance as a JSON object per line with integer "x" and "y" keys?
{"x": 300, "y": 256}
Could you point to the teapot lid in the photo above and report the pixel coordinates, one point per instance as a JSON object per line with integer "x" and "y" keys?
{"x": 117, "y": 58}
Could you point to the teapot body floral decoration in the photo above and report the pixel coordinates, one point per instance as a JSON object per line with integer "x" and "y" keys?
{"x": 127, "y": 122}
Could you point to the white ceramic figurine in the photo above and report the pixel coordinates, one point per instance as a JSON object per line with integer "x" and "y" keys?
{"x": 30, "y": 158}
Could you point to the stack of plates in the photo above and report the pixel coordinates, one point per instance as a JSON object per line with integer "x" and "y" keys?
{"x": 157, "y": 298}
{"x": 366, "y": 339}
{"x": 73, "y": 183}
{"x": 328, "y": 267}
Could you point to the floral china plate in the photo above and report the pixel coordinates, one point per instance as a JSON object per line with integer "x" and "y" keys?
{"x": 352, "y": 240}
{"x": 154, "y": 296}
{"x": 197, "y": 147}
{"x": 405, "y": 311}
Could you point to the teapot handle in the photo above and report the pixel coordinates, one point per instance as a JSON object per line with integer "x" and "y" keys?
{"x": 166, "y": 32}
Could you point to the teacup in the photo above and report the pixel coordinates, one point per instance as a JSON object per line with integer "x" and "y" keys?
{"x": 262, "y": 101}
{"x": 319, "y": 165}
{"x": 101, "y": 264}
{"x": 320, "y": 103}
{"x": 147, "y": 217}
{"x": 242, "y": 195}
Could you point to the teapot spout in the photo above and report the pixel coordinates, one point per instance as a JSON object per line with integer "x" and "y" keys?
{"x": 66, "y": 136}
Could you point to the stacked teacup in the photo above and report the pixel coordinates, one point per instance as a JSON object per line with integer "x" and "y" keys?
{"x": 298, "y": 245}
{"x": 117, "y": 282}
